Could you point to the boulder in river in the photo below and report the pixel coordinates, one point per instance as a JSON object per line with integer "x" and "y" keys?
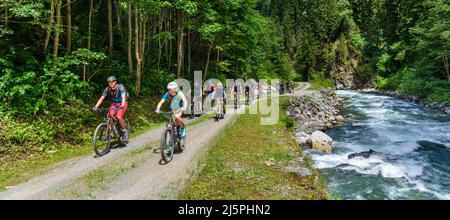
{"x": 321, "y": 142}
{"x": 303, "y": 139}
{"x": 447, "y": 110}
{"x": 365, "y": 154}
{"x": 428, "y": 145}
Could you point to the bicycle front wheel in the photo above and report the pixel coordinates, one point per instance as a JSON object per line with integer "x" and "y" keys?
{"x": 102, "y": 139}
{"x": 167, "y": 145}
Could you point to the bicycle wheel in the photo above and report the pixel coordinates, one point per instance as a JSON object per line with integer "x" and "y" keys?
{"x": 102, "y": 139}
{"x": 167, "y": 145}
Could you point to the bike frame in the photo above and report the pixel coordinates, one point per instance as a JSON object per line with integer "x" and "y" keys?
{"x": 171, "y": 121}
{"x": 110, "y": 121}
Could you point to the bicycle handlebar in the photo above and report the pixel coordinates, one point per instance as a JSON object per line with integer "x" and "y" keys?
{"x": 165, "y": 113}
{"x": 109, "y": 109}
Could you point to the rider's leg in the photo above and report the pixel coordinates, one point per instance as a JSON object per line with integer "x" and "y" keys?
{"x": 179, "y": 121}
{"x": 120, "y": 116}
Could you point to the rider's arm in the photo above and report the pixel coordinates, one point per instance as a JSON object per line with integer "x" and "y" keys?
{"x": 160, "y": 104}
{"x": 124, "y": 100}
{"x": 100, "y": 101}
{"x": 123, "y": 93}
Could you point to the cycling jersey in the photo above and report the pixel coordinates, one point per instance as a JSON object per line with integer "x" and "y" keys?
{"x": 116, "y": 94}
{"x": 176, "y": 102}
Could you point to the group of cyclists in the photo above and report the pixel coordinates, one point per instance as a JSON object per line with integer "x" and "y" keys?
{"x": 285, "y": 87}
{"x": 177, "y": 101}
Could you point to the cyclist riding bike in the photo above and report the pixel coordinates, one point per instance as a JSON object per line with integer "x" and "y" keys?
{"x": 178, "y": 105}
{"x": 208, "y": 90}
{"x": 119, "y": 95}
{"x": 219, "y": 94}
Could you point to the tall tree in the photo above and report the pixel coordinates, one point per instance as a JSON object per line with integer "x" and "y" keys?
{"x": 140, "y": 35}
{"x": 130, "y": 32}
{"x": 110, "y": 29}
{"x": 69, "y": 27}
{"x": 91, "y": 11}
{"x": 5, "y": 8}
{"x": 57, "y": 30}
{"x": 180, "y": 53}
{"x": 118, "y": 17}
{"x": 49, "y": 27}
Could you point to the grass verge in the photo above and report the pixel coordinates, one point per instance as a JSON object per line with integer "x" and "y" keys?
{"x": 255, "y": 162}
{"x": 321, "y": 83}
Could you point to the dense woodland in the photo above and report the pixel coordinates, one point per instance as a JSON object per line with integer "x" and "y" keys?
{"x": 56, "y": 54}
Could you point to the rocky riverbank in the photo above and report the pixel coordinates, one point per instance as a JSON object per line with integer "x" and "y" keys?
{"x": 314, "y": 113}
{"x": 445, "y": 107}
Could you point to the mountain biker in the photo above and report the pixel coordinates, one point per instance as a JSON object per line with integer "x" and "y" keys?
{"x": 119, "y": 95}
{"x": 209, "y": 89}
{"x": 178, "y": 104}
{"x": 219, "y": 94}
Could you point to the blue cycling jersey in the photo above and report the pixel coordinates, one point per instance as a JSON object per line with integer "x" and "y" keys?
{"x": 176, "y": 102}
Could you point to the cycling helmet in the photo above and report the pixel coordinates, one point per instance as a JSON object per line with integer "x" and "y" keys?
{"x": 112, "y": 79}
{"x": 172, "y": 85}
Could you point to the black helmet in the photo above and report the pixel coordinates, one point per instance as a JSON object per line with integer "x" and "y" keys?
{"x": 112, "y": 79}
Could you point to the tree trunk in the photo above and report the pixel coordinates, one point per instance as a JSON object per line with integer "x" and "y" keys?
{"x": 180, "y": 53}
{"x": 6, "y": 13}
{"x": 143, "y": 35}
{"x": 57, "y": 30}
{"x": 189, "y": 51}
{"x": 119, "y": 18}
{"x": 110, "y": 28}
{"x": 49, "y": 28}
{"x": 170, "y": 43}
{"x": 130, "y": 59}
{"x": 217, "y": 60}
{"x": 137, "y": 47}
{"x": 207, "y": 58}
{"x": 159, "y": 41}
{"x": 69, "y": 27}
{"x": 166, "y": 29}
{"x": 91, "y": 9}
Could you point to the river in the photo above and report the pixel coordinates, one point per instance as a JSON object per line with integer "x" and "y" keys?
{"x": 412, "y": 145}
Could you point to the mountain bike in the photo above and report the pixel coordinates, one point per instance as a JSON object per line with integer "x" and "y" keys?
{"x": 108, "y": 130}
{"x": 171, "y": 138}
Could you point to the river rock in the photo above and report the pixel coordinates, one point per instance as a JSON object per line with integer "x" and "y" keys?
{"x": 340, "y": 118}
{"x": 303, "y": 139}
{"x": 447, "y": 110}
{"x": 365, "y": 154}
{"x": 430, "y": 145}
{"x": 329, "y": 125}
{"x": 321, "y": 142}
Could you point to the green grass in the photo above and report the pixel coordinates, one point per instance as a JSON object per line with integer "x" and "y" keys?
{"x": 248, "y": 162}
{"x": 318, "y": 84}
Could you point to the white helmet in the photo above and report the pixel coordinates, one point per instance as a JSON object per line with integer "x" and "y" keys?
{"x": 172, "y": 85}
